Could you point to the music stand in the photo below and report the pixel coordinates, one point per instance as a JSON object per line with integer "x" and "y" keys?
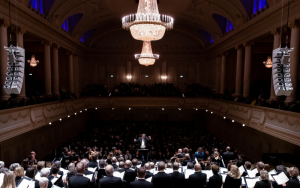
{"x": 143, "y": 152}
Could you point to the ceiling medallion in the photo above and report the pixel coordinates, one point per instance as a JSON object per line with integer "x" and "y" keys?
{"x": 146, "y": 57}
{"x": 147, "y": 24}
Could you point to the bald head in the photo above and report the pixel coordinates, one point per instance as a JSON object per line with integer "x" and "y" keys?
{"x": 152, "y": 165}
{"x": 109, "y": 170}
{"x": 197, "y": 167}
{"x": 147, "y": 166}
{"x": 128, "y": 163}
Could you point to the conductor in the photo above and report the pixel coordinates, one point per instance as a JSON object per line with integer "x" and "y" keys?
{"x": 143, "y": 144}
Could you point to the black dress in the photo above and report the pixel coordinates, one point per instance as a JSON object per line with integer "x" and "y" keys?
{"x": 230, "y": 182}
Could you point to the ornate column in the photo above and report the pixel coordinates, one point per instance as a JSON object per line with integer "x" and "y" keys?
{"x": 19, "y": 37}
{"x": 276, "y": 44}
{"x": 218, "y": 74}
{"x": 55, "y": 69}
{"x": 71, "y": 73}
{"x": 47, "y": 59}
{"x": 294, "y": 59}
{"x": 223, "y": 71}
{"x": 76, "y": 79}
{"x": 247, "y": 68}
{"x": 4, "y": 24}
{"x": 239, "y": 70}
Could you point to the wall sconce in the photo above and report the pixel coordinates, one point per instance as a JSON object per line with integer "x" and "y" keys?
{"x": 129, "y": 77}
{"x": 164, "y": 77}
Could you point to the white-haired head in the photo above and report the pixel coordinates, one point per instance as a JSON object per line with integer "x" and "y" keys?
{"x": 43, "y": 182}
{"x": 45, "y": 172}
{"x": 2, "y": 164}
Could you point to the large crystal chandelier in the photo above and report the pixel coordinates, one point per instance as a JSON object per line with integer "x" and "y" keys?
{"x": 268, "y": 63}
{"x": 146, "y": 57}
{"x": 147, "y": 24}
{"x": 33, "y": 62}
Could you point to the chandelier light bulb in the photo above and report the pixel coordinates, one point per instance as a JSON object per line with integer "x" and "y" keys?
{"x": 224, "y": 117}
{"x": 206, "y": 110}
{"x": 129, "y": 77}
{"x": 50, "y": 123}
{"x": 211, "y": 112}
{"x": 68, "y": 116}
{"x": 243, "y": 125}
{"x": 232, "y": 121}
{"x": 85, "y": 109}
{"x": 33, "y": 62}
{"x": 60, "y": 119}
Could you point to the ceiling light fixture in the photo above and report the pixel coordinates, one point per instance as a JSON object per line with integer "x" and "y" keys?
{"x": 268, "y": 63}
{"x": 33, "y": 62}
{"x": 147, "y": 24}
{"x": 146, "y": 57}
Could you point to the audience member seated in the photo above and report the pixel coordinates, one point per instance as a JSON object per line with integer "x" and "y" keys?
{"x": 110, "y": 181}
{"x": 141, "y": 182}
{"x": 264, "y": 182}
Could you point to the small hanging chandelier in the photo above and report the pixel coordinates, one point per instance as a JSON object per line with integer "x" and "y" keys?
{"x": 147, "y": 24}
{"x": 146, "y": 57}
{"x": 33, "y": 62}
{"x": 268, "y": 63}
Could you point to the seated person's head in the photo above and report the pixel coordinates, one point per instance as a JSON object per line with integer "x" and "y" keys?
{"x": 102, "y": 163}
{"x": 267, "y": 167}
{"x": 114, "y": 160}
{"x": 260, "y": 166}
{"x": 147, "y": 166}
{"x": 141, "y": 172}
{"x": 234, "y": 172}
{"x": 247, "y": 165}
{"x": 294, "y": 172}
{"x": 85, "y": 162}
{"x": 19, "y": 171}
{"x": 190, "y": 165}
{"x": 45, "y": 172}
{"x": 128, "y": 163}
{"x": 169, "y": 165}
{"x": 43, "y": 182}
{"x": 161, "y": 166}
{"x": 152, "y": 165}
{"x": 30, "y": 173}
{"x": 109, "y": 170}
{"x": 121, "y": 164}
{"x": 57, "y": 163}
{"x": 95, "y": 157}
{"x": 264, "y": 175}
{"x": 215, "y": 169}
{"x": 134, "y": 162}
{"x": 80, "y": 168}
{"x": 54, "y": 169}
{"x": 175, "y": 166}
{"x": 40, "y": 165}
{"x": 197, "y": 167}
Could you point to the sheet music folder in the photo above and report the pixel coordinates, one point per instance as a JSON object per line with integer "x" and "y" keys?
{"x": 280, "y": 178}
{"x": 24, "y": 183}
{"x": 250, "y": 182}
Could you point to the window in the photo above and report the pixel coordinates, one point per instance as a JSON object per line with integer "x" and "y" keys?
{"x": 37, "y": 5}
{"x": 65, "y": 25}
{"x": 229, "y": 26}
{"x": 82, "y": 38}
{"x": 258, "y": 5}
{"x": 212, "y": 40}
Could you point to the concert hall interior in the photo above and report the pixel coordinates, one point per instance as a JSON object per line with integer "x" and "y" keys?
{"x": 107, "y": 93}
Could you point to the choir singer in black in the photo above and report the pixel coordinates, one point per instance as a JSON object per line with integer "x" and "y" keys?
{"x": 143, "y": 143}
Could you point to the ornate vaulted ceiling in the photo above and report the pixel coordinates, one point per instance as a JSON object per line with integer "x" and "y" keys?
{"x": 104, "y": 16}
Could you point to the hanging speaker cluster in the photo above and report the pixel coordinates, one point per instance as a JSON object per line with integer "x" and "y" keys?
{"x": 15, "y": 70}
{"x": 281, "y": 71}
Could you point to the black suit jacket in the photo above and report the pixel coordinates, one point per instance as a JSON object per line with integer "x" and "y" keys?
{"x": 147, "y": 140}
{"x": 93, "y": 164}
{"x": 115, "y": 166}
{"x": 263, "y": 184}
{"x": 101, "y": 173}
{"x": 215, "y": 181}
{"x": 129, "y": 176}
{"x": 148, "y": 174}
{"x": 141, "y": 183}
{"x": 232, "y": 183}
{"x": 198, "y": 179}
{"x": 79, "y": 181}
{"x": 110, "y": 182}
{"x": 293, "y": 183}
{"x": 178, "y": 179}
{"x": 228, "y": 155}
{"x": 162, "y": 180}
{"x": 59, "y": 183}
